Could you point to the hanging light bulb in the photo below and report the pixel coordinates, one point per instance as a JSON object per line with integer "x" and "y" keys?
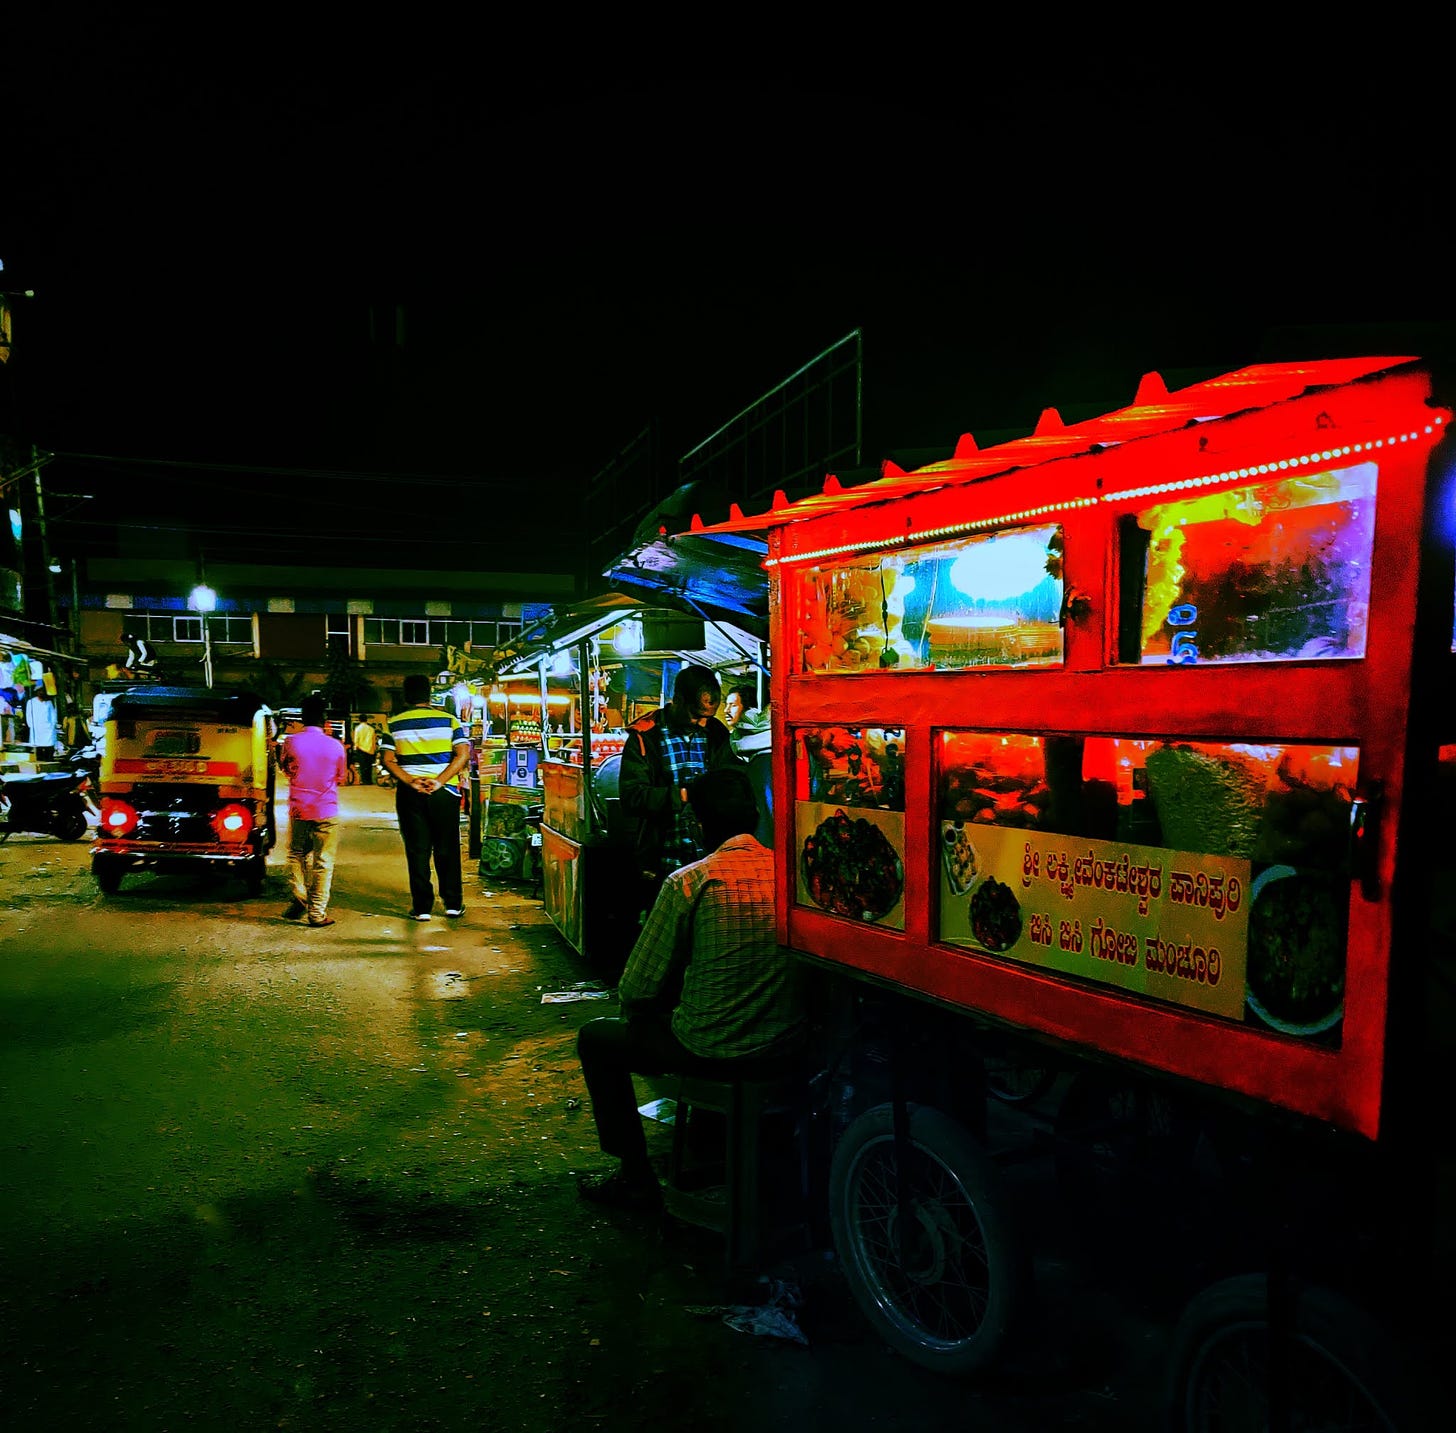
{"x": 628, "y": 640}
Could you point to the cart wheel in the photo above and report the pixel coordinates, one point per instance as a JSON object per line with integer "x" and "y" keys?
{"x": 1112, "y": 1138}
{"x": 1015, "y": 1082}
{"x": 951, "y": 1301}
{"x": 108, "y": 872}
{"x": 1342, "y": 1371}
{"x": 71, "y": 825}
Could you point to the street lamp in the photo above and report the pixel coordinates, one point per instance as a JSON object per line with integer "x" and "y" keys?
{"x": 202, "y": 600}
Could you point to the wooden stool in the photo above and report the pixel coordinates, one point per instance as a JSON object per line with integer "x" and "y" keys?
{"x": 734, "y": 1207}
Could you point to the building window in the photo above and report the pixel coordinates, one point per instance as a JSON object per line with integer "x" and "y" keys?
{"x": 340, "y": 634}
{"x": 171, "y": 627}
{"x": 407, "y": 631}
{"x": 486, "y": 635}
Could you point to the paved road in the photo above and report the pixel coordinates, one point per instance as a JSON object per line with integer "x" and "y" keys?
{"x": 255, "y": 1175}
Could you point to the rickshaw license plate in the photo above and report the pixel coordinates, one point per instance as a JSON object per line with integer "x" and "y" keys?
{"x": 173, "y": 766}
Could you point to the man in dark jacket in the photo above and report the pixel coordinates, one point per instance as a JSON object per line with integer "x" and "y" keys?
{"x": 662, "y": 754}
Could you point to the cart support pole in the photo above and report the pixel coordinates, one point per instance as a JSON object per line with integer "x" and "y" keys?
{"x": 473, "y": 840}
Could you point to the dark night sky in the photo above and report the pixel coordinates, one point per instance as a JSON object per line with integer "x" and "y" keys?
{"x": 206, "y": 243}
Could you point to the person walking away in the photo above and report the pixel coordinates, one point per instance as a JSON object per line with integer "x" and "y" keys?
{"x": 315, "y": 763}
{"x": 425, "y": 749}
{"x": 663, "y": 752}
{"x": 366, "y": 740}
{"x": 707, "y": 989}
{"x": 41, "y": 723}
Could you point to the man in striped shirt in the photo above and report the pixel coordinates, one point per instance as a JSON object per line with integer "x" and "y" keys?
{"x": 706, "y": 990}
{"x": 425, "y": 749}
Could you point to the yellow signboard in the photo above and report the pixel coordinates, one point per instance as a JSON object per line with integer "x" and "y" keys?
{"x": 1170, "y": 924}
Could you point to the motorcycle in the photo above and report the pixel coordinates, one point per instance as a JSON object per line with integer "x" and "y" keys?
{"x": 52, "y": 803}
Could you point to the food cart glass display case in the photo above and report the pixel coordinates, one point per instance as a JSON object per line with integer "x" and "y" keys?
{"x": 1139, "y": 696}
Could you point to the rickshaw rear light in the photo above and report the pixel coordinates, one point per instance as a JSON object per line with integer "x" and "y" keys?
{"x": 233, "y": 822}
{"x": 118, "y": 818}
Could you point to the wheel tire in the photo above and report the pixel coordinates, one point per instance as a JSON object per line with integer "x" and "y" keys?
{"x": 108, "y": 872}
{"x": 70, "y": 825}
{"x": 958, "y": 1303}
{"x": 254, "y": 874}
{"x": 1345, "y": 1372}
{"x": 1014, "y": 1082}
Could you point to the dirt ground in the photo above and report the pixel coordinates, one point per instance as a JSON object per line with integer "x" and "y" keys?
{"x": 259, "y": 1176}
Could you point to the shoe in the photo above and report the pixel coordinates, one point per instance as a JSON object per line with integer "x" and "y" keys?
{"x": 419, "y": 915}
{"x": 327, "y": 920}
{"x": 295, "y": 911}
{"x": 458, "y": 911}
{"x": 616, "y": 1191}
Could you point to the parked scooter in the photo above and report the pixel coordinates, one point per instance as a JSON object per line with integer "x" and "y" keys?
{"x": 52, "y": 803}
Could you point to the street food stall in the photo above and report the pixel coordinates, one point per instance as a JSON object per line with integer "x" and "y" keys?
{"x": 625, "y": 652}
{"x": 26, "y": 669}
{"x": 1126, "y": 749}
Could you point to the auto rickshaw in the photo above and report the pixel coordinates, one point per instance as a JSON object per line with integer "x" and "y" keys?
{"x": 187, "y": 782}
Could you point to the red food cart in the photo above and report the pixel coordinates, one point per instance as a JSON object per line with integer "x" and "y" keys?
{"x": 1122, "y": 752}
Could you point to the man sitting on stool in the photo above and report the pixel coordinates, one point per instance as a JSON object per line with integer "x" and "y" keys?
{"x": 707, "y": 990}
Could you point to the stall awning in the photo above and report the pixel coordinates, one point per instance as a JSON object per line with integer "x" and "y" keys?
{"x": 29, "y": 649}
{"x": 720, "y": 578}
{"x": 1154, "y": 412}
{"x": 722, "y": 640}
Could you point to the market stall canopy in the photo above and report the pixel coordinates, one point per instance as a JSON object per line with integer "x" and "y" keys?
{"x": 720, "y": 578}
{"x": 682, "y": 632}
{"x": 1154, "y": 413}
{"x": 29, "y": 649}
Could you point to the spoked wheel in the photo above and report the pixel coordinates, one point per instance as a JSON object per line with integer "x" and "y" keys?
{"x": 1337, "y": 1368}
{"x": 948, "y": 1295}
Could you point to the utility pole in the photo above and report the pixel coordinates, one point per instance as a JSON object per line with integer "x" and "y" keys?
{"x": 202, "y": 601}
{"x": 45, "y": 548}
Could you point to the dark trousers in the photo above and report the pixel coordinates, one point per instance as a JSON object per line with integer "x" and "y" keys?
{"x": 365, "y": 762}
{"x": 430, "y": 828}
{"x": 613, "y": 1049}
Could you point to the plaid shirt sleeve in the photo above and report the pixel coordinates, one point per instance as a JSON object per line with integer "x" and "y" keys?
{"x": 664, "y": 943}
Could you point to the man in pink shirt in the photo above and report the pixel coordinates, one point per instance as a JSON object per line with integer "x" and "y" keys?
{"x": 315, "y": 763}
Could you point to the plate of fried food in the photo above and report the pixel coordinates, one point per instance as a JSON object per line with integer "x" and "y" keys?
{"x": 958, "y": 853}
{"x": 851, "y": 869}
